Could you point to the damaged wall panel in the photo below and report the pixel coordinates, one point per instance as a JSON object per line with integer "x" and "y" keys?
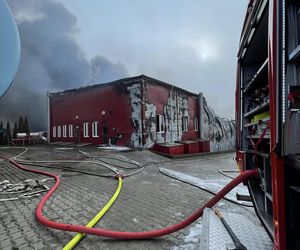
{"x": 135, "y": 96}
{"x": 174, "y": 105}
{"x": 138, "y": 112}
{"x": 220, "y": 131}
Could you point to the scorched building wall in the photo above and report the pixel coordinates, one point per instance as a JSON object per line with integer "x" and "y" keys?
{"x": 136, "y": 112}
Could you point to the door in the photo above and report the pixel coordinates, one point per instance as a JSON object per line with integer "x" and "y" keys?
{"x": 105, "y": 133}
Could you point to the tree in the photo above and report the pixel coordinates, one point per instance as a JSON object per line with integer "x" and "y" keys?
{"x": 26, "y": 126}
{"x": 21, "y": 125}
{"x": 15, "y": 130}
{"x": 8, "y": 132}
{"x": 1, "y": 124}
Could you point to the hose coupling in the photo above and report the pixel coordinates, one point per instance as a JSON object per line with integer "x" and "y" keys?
{"x": 119, "y": 175}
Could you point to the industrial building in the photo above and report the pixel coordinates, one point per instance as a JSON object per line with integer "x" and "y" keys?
{"x": 137, "y": 112}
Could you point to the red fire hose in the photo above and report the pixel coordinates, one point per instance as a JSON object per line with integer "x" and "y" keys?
{"x": 246, "y": 175}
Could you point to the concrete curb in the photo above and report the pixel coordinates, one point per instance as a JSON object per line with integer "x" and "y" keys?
{"x": 182, "y": 156}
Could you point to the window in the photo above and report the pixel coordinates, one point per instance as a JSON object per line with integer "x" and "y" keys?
{"x": 53, "y": 131}
{"x": 86, "y": 129}
{"x": 64, "y": 130}
{"x": 160, "y": 123}
{"x": 185, "y": 124}
{"x": 95, "y": 129}
{"x": 58, "y": 131}
{"x": 70, "y": 130}
{"x": 196, "y": 124}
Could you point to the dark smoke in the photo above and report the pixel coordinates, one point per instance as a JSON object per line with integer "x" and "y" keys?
{"x": 51, "y": 60}
{"x": 103, "y": 69}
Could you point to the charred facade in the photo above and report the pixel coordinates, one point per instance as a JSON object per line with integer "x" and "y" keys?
{"x": 136, "y": 112}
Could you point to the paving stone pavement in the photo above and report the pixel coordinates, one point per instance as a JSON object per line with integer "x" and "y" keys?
{"x": 148, "y": 200}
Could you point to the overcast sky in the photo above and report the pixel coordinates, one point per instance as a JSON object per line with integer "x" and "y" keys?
{"x": 191, "y": 44}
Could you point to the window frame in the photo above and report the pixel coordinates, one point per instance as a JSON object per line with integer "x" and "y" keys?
{"x": 54, "y": 131}
{"x": 70, "y": 130}
{"x": 64, "y": 131}
{"x": 86, "y": 130}
{"x": 196, "y": 124}
{"x": 95, "y": 129}
{"x": 59, "y": 131}
{"x": 160, "y": 123}
{"x": 185, "y": 123}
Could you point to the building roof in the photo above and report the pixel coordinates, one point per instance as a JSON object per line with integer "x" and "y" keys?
{"x": 126, "y": 81}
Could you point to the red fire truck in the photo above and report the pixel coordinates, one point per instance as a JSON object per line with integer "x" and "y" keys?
{"x": 268, "y": 115}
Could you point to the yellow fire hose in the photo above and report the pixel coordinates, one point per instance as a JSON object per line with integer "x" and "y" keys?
{"x": 93, "y": 222}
